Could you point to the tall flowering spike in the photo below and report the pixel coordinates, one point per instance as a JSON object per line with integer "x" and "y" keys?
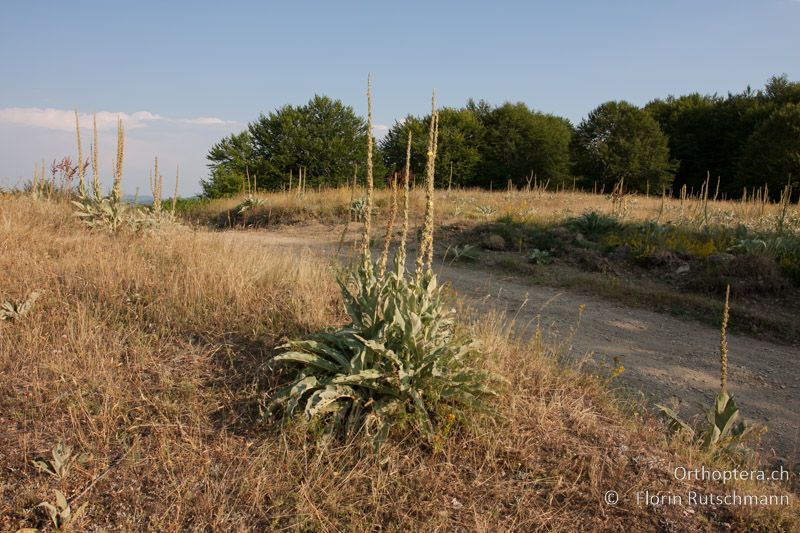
{"x": 367, "y": 259}
{"x": 117, "y": 191}
{"x": 431, "y": 185}
{"x": 81, "y": 168}
{"x": 155, "y": 188}
{"x": 98, "y": 194}
{"x": 387, "y": 240}
{"x": 175, "y": 192}
{"x": 426, "y": 240}
{"x": 401, "y": 255}
{"x": 723, "y": 341}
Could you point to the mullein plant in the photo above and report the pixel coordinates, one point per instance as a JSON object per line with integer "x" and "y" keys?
{"x": 110, "y": 212}
{"x": 720, "y": 430}
{"x": 401, "y": 360}
{"x": 97, "y": 211}
{"x": 723, "y": 430}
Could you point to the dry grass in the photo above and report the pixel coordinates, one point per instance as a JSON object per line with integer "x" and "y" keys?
{"x": 535, "y": 206}
{"x": 463, "y": 213}
{"x": 148, "y": 354}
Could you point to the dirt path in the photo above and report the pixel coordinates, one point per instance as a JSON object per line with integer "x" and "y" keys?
{"x": 665, "y": 357}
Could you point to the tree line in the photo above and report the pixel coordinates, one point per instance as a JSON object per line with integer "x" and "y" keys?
{"x": 747, "y": 139}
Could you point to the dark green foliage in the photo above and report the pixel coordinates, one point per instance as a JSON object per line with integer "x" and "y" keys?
{"x": 772, "y": 153}
{"x": 324, "y": 136}
{"x": 486, "y": 145}
{"x": 459, "y": 146}
{"x": 620, "y": 141}
{"x": 520, "y": 143}
{"x": 746, "y": 139}
{"x": 393, "y": 145}
{"x": 593, "y": 224}
{"x": 710, "y": 134}
{"x": 230, "y": 161}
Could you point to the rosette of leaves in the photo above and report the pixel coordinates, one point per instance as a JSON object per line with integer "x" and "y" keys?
{"x": 400, "y": 360}
{"x": 102, "y": 213}
{"x": 540, "y": 257}
{"x": 593, "y": 224}
{"x": 720, "y": 429}
{"x": 15, "y": 310}
{"x": 248, "y": 204}
{"x": 149, "y": 220}
{"x": 358, "y": 209}
{"x": 61, "y": 514}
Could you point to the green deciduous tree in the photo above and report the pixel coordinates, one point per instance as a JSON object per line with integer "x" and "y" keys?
{"x": 618, "y": 140}
{"x": 483, "y": 144}
{"x": 230, "y": 161}
{"x": 324, "y": 136}
{"x": 460, "y": 137}
{"x": 520, "y": 142}
{"x": 772, "y": 153}
{"x": 709, "y": 134}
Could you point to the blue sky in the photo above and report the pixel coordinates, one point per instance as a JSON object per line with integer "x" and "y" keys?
{"x": 184, "y": 74}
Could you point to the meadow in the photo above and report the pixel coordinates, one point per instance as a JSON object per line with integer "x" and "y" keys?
{"x": 161, "y": 375}
{"x": 147, "y": 355}
{"x": 674, "y": 255}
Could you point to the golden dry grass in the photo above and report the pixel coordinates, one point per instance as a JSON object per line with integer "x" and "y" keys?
{"x": 148, "y": 353}
{"x": 331, "y": 205}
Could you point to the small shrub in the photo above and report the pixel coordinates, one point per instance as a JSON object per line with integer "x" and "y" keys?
{"x": 593, "y": 224}
{"x": 248, "y": 204}
{"x": 494, "y": 242}
{"x": 464, "y": 252}
{"x": 540, "y": 257}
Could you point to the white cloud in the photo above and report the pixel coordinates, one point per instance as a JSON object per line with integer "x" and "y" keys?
{"x": 380, "y": 130}
{"x": 64, "y": 120}
{"x": 206, "y": 121}
{"x": 29, "y": 135}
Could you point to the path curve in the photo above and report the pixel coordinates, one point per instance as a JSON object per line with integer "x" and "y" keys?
{"x": 666, "y": 357}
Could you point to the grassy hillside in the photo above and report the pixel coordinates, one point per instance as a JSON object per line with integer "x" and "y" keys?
{"x": 147, "y": 354}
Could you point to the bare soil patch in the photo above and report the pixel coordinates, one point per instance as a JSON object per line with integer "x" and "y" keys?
{"x": 666, "y": 358}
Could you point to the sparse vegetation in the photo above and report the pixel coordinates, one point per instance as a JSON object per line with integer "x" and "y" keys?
{"x": 158, "y": 355}
{"x": 673, "y": 255}
{"x": 721, "y": 430}
{"x": 158, "y": 381}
